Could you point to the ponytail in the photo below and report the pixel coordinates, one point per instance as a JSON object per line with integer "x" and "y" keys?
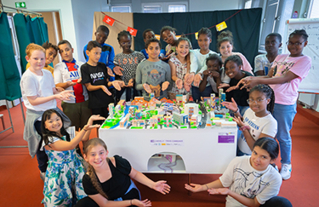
{"x": 94, "y": 181}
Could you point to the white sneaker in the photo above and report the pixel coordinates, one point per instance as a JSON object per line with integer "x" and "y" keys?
{"x": 285, "y": 171}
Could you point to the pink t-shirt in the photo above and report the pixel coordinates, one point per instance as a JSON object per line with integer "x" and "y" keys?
{"x": 287, "y": 93}
{"x": 246, "y": 65}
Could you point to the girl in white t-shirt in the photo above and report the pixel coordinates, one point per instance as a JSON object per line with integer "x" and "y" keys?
{"x": 285, "y": 75}
{"x": 249, "y": 180}
{"x": 257, "y": 121}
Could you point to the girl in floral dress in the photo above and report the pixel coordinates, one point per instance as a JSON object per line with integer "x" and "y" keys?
{"x": 178, "y": 64}
{"x": 63, "y": 179}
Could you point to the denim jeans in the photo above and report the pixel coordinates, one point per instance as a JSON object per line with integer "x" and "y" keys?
{"x": 284, "y": 114}
{"x": 196, "y": 94}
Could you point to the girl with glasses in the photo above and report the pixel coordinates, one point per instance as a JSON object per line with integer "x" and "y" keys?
{"x": 257, "y": 121}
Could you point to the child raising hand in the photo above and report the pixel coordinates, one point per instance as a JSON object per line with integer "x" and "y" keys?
{"x": 63, "y": 179}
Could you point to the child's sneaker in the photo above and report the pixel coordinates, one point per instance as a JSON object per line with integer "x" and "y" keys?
{"x": 285, "y": 171}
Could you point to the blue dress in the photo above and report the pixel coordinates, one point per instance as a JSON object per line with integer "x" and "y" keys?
{"x": 63, "y": 179}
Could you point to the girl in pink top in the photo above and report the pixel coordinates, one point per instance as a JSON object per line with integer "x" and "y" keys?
{"x": 285, "y": 76}
{"x": 225, "y": 46}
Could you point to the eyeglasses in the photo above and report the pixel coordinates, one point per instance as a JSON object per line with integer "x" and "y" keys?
{"x": 251, "y": 101}
{"x": 295, "y": 44}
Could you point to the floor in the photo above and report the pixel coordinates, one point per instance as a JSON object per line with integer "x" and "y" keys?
{"x": 20, "y": 183}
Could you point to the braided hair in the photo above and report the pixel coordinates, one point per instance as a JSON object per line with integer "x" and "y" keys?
{"x": 269, "y": 93}
{"x": 91, "y": 172}
{"x": 300, "y": 32}
{"x": 123, "y": 33}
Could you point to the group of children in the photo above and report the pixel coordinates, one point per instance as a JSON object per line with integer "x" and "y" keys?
{"x": 262, "y": 112}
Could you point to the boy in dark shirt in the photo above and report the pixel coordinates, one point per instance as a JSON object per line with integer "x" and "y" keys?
{"x": 96, "y": 80}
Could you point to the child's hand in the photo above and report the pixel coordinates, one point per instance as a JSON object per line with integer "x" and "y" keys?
{"x": 231, "y": 105}
{"x": 110, "y": 72}
{"x": 118, "y": 70}
{"x": 165, "y": 85}
{"x": 162, "y": 187}
{"x": 223, "y": 85}
{"x": 94, "y": 118}
{"x": 247, "y": 82}
{"x": 142, "y": 203}
{"x": 70, "y": 83}
{"x": 197, "y": 79}
{"x": 130, "y": 83}
{"x": 195, "y": 187}
{"x": 214, "y": 74}
{"x": 106, "y": 90}
{"x": 218, "y": 191}
{"x": 232, "y": 88}
{"x": 188, "y": 79}
{"x": 187, "y": 87}
{"x": 90, "y": 125}
{"x": 147, "y": 88}
{"x": 65, "y": 95}
{"x": 59, "y": 89}
{"x": 179, "y": 83}
{"x": 206, "y": 73}
{"x": 239, "y": 122}
{"x": 79, "y": 80}
{"x": 118, "y": 84}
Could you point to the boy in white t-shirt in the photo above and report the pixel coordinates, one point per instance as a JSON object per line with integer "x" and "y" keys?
{"x": 263, "y": 62}
{"x": 39, "y": 94}
{"x": 67, "y": 75}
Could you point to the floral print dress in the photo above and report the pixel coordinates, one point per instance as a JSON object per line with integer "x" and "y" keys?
{"x": 63, "y": 179}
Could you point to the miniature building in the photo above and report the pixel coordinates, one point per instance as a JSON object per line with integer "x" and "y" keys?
{"x": 124, "y": 120}
{"x": 117, "y": 108}
{"x": 180, "y": 118}
{"x": 153, "y": 121}
{"x": 131, "y": 111}
{"x": 191, "y": 109}
{"x": 139, "y": 101}
{"x": 111, "y": 110}
{"x": 179, "y": 99}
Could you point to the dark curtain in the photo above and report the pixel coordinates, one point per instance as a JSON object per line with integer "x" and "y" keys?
{"x": 9, "y": 74}
{"x": 20, "y": 23}
{"x": 245, "y": 27}
{"x": 37, "y": 29}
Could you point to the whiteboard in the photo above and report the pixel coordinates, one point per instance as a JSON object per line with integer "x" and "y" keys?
{"x": 311, "y": 82}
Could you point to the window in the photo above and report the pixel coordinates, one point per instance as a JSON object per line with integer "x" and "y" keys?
{"x": 176, "y": 8}
{"x": 121, "y": 9}
{"x": 248, "y": 4}
{"x": 314, "y": 9}
{"x": 152, "y": 9}
{"x": 159, "y": 7}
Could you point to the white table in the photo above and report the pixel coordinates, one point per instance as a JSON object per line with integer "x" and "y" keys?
{"x": 206, "y": 151}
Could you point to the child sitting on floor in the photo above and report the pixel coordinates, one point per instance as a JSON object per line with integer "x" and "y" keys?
{"x": 248, "y": 180}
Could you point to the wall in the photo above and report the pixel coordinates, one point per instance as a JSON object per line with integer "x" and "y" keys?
{"x": 83, "y": 13}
